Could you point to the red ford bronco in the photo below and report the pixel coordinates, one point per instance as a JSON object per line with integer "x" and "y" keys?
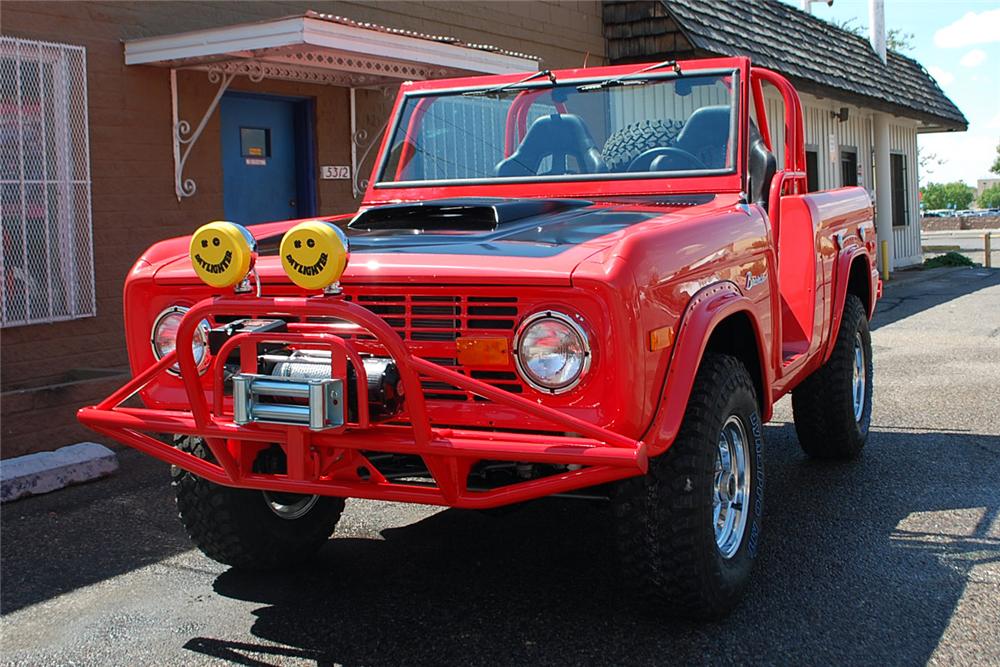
{"x": 590, "y": 282}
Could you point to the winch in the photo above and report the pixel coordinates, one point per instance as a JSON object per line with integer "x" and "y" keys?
{"x": 294, "y": 386}
{"x": 385, "y": 396}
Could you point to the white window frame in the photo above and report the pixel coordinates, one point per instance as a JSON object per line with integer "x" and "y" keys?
{"x": 46, "y": 263}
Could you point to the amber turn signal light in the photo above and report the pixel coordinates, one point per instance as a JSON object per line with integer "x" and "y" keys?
{"x": 483, "y": 351}
{"x": 661, "y": 338}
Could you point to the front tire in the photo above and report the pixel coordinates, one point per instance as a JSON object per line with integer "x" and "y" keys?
{"x": 246, "y": 529}
{"x": 688, "y": 531}
{"x": 832, "y": 408}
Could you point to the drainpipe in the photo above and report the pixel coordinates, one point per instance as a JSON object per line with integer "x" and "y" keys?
{"x": 880, "y": 143}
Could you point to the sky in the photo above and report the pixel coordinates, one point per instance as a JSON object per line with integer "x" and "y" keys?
{"x": 958, "y": 42}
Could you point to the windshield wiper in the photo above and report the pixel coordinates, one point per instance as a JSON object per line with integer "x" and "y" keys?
{"x": 488, "y": 92}
{"x": 626, "y": 79}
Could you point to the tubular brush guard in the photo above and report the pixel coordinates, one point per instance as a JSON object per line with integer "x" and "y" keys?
{"x": 330, "y": 461}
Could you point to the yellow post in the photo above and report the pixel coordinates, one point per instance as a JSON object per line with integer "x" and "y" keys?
{"x": 885, "y": 261}
{"x": 986, "y": 246}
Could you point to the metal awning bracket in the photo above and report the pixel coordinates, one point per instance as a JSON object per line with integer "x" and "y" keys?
{"x": 183, "y": 138}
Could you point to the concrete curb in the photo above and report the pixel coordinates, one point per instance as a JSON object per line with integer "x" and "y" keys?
{"x": 42, "y": 472}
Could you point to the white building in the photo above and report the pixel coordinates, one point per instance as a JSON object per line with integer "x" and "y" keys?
{"x": 861, "y": 114}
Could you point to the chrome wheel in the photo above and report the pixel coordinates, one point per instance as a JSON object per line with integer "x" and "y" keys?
{"x": 860, "y": 379}
{"x": 289, "y": 505}
{"x": 732, "y": 487}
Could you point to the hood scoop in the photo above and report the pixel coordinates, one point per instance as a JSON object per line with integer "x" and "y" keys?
{"x": 445, "y": 216}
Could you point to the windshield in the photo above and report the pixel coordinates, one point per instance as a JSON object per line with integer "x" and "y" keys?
{"x": 627, "y": 128}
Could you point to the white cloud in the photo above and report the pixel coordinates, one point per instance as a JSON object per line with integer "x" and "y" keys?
{"x": 942, "y": 76}
{"x": 973, "y": 58}
{"x": 994, "y": 123}
{"x": 967, "y": 156}
{"x": 973, "y": 28}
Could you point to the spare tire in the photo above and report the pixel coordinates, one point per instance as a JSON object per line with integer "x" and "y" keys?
{"x": 627, "y": 143}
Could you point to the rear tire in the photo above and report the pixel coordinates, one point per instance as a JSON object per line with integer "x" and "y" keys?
{"x": 832, "y": 412}
{"x": 250, "y": 530}
{"x": 671, "y": 548}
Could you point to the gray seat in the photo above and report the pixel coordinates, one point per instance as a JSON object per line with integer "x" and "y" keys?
{"x": 706, "y": 136}
{"x": 762, "y": 166}
{"x": 559, "y": 137}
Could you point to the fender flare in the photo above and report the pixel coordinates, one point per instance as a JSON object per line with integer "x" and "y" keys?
{"x": 707, "y": 308}
{"x": 845, "y": 261}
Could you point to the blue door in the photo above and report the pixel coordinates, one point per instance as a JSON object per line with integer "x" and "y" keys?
{"x": 262, "y": 168}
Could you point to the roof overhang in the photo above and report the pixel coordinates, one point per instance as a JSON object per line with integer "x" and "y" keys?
{"x": 324, "y": 49}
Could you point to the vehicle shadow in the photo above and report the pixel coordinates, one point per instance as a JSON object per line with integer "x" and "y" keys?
{"x": 923, "y": 290}
{"x": 854, "y": 569}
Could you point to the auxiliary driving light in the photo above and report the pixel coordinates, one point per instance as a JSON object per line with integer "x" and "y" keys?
{"x": 314, "y": 254}
{"x": 222, "y": 253}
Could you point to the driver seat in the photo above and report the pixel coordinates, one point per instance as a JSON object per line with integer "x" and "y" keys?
{"x": 763, "y": 166}
{"x": 706, "y": 135}
{"x": 558, "y": 136}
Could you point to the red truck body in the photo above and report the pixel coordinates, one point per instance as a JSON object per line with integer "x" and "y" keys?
{"x": 669, "y": 267}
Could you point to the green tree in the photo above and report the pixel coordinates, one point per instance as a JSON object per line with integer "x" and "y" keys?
{"x": 956, "y": 195}
{"x": 895, "y": 39}
{"x": 990, "y": 197}
{"x": 996, "y": 162}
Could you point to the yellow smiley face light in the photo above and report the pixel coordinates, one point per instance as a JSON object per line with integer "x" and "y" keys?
{"x": 314, "y": 254}
{"x": 222, "y": 253}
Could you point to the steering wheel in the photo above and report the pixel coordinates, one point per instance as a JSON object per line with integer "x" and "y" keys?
{"x": 673, "y": 156}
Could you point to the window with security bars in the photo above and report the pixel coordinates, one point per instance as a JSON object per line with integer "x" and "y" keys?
{"x": 46, "y": 257}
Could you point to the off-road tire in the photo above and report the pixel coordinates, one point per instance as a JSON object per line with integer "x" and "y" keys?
{"x": 629, "y": 142}
{"x": 237, "y": 528}
{"x": 823, "y": 405}
{"x": 664, "y": 520}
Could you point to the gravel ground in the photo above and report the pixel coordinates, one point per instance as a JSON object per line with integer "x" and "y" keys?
{"x": 892, "y": 559}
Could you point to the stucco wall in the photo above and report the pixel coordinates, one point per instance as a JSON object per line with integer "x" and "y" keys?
{"x": 855, "y": 132}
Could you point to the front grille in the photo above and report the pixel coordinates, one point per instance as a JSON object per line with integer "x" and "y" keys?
{"x": 432, "y": 322}
{"x": 422, "y": 317}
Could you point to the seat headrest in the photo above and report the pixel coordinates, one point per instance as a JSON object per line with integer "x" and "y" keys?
{"x": 706, "y": 135}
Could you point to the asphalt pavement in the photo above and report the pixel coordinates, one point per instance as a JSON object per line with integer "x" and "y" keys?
{"x": 891, "y": 559}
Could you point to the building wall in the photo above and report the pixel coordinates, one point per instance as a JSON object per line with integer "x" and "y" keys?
{"x": 134, "y": 204}
{"x": 855, "y": 132}
{"x": 984, "y": 183}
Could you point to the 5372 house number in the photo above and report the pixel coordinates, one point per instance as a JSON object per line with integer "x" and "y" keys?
{"x": 335, "y": 173}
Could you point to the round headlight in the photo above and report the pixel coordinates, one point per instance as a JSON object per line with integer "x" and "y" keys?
{"x": 551, "y": 352}
{"x": 164, "y": 337}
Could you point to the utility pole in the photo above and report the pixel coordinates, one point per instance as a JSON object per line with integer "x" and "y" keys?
{"x": 880, "y": 143}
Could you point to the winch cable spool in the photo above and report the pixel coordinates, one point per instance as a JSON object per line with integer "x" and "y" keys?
{"x": 314, "y": 254}
{"x": 222, "y": 253}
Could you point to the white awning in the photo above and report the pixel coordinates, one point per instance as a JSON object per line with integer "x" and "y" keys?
{"x": 325, "y": 49}
{"x": 311, "y": 48}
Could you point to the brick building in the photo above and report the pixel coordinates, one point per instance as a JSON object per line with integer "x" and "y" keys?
{"x": 63, "y": 351}
{"x": 127, "y": 123}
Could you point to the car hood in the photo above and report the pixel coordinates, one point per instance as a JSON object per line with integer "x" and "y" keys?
{"x": 514, "y": 241}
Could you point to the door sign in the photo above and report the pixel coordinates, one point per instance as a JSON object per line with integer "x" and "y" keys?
{"x": 335, "y": 173}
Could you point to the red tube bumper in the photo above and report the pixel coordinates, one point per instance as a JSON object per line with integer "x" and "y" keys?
{"x": 333, "y": 462}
